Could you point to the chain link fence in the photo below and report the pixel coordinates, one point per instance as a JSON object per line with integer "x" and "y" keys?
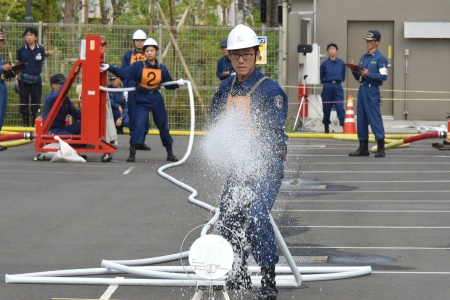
{"x": 199, "y": 48}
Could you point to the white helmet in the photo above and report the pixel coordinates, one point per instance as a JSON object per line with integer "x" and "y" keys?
{"x": 242, "y": 37}
{"x": 150, "y": 42}
{"x": 139, "y": 35}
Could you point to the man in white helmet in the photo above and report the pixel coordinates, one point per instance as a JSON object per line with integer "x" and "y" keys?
{"x": 248, "y": 197}
{"x": 148, "y": 75}
{"x": 129, "y": 58}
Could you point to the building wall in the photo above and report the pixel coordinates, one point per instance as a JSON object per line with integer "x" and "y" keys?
{"x": 428, "y": 61}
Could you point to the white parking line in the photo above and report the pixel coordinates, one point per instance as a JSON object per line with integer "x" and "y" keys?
{"x": 366, "y": 172}
{"x": 128, "y": 171}
{"x": 383, "y": 248}
{"x": 363, "y": 210}
{"x": 370, "y": 201}
{"x": 365, "y": 227}
{"x": 413, "y": 273}
{"x": 110, "y": 290}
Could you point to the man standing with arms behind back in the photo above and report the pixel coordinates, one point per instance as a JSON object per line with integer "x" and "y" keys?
{"x": 371, "y": 76}
{"x": 332, "y": 73}
{"x": 33, "y": 55}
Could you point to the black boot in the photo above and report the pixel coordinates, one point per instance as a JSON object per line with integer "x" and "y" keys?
{"x": 170, "y": 155}
{"x": 240, "y": 280}
{"x": 143, "y": 146}
{"x": 363, "y": 149}
{"x": 380, "y": 149}
{"x": 2, "y": 148}
{"x": 132, "y": 156}
{"x": 327, "y": 128}
{"x": 25, "y": 120}
{"x": 269, "y": 289}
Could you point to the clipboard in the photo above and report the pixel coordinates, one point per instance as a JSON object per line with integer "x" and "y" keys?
{"x": 353, "y": 67}
{"x": 9, "y": 74}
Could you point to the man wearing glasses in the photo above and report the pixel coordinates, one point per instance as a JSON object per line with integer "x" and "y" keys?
{"x": 253, "y": 108}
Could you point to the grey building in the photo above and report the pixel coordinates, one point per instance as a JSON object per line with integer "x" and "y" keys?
{"x": 415, "y": 37}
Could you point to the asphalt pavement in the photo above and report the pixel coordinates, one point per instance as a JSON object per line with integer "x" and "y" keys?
{"x": 389, "y": 213}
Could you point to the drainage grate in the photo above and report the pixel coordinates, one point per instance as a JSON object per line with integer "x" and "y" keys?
{"x": 297, "y": 259}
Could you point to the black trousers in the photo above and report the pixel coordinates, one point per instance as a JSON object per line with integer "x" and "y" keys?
{"x": 33, "y": 91}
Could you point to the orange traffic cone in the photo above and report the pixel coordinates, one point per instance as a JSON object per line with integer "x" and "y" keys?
{"x": 349, "y": 123}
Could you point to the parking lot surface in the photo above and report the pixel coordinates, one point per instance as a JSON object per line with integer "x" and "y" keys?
{"x": 389, "y": 213}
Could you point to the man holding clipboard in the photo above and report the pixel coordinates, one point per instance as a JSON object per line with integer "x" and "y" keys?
{"x": 371, "y": 73}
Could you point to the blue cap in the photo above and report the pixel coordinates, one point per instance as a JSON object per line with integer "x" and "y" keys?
{"x": 373, "y": 35}
{"x": 223, "y": 43}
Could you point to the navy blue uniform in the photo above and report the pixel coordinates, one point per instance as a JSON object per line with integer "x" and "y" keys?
{"x": 59, "y": 124}
{"x": 28, "y": 88}
{"x": 224, "y": 64}
{"x": 332, "y": 73}
{"x": 368, "y": 110}
{"x": 117, "y": 99}
{"x": 268, "y": 106}
{"x": 130, "y": 58}
{"x": 3, "y": 94}
{"x": 148, "y": 98}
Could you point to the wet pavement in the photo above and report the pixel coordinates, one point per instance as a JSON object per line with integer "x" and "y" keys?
{"x": 389, "y": 213}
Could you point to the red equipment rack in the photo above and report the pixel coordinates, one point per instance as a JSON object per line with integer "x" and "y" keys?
{"x": 93, "y": 100}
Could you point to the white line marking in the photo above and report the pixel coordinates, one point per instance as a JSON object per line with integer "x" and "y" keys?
{"x": 362, "y": 210}
{"x": 384, "y": 181}
{"x": 368, "y": 191}
{"x": 365, "y": 227}
{"x": 376, "y": 163}
{"x": 128, "y": 171}
{"x": 359, "y": 171}
{"x": 390, "y": 155}
{"x": 360, "y": 201}
{"x": 413, "y": 273}
{"x": 110, "y": 290}
{"x": 383, "y": 248}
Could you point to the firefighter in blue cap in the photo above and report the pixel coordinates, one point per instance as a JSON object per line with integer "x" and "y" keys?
{"x": 148, "y": 75}
{"x": 67, "y": 108}
{"x": 371, "y": 77}
{"x": 332, "y": 73}
{"x": 224, "y": 66}
{"x": 248, "y": 197}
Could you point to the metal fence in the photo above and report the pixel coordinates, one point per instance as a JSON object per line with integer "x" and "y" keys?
{"x": 199, "y": 47}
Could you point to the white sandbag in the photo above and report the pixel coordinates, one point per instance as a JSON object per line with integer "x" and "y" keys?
{"x": 66, "y": 153}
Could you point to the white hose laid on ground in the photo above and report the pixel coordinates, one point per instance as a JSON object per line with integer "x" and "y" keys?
{"x": 169, "y": 273}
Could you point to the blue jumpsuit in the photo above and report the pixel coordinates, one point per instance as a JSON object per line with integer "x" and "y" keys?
{"x": 332, "y": 73}
{"x": 148, "y": 98}
{"x": 368, "y": 110}
{"x": 3, "y": 94}
{"x": 224, "y": 64}
{"x": 117, "y": 99}
{"x": 130, "y": 58}
{"x": 268, "y": 111}
{"x": 59, "y": 124}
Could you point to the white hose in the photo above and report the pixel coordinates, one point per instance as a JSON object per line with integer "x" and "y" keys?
{"x": 124, "y": 266}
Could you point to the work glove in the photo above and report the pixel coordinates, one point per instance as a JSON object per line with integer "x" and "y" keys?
{"x": 180, "y": 82}
{"x": 103, "y": 67}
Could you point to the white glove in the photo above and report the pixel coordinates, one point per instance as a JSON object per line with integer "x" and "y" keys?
{"x": 125, "y": 94}
{"x": 180, "y": 82}
{"x": 103, "y": 67}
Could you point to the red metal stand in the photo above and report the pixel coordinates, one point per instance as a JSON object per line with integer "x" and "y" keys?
{"x": 93, "y": 101}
